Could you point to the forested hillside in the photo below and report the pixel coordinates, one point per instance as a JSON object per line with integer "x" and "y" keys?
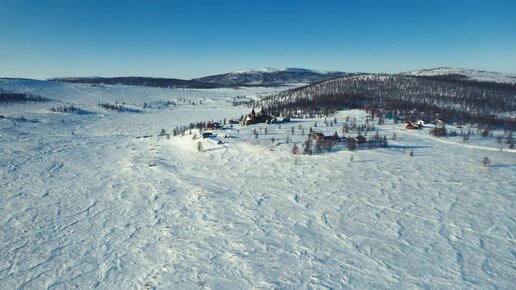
{"x": 452, "y": 98}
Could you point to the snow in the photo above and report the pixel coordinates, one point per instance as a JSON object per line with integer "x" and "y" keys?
{"x": 470, "y": 74}
{"x": 84, "y": 203}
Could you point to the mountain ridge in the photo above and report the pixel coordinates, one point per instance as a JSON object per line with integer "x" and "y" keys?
{"x": 465, "y": 74}
{"x": 268, "y": 76}
{"x": 271, "y": 77}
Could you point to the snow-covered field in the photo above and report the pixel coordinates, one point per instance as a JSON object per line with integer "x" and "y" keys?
{"x": 84, "y": 203}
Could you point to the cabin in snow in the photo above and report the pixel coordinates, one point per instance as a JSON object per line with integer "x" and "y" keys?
{"x": 261, "y": 117}
{"x": 318, "y": 136}
{"x": 360, "y": 139}
{"x": 213, "y": 126}
{"x": 439, "y": 121}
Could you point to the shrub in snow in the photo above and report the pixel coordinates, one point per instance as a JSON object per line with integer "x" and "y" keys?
{"x": 486, "y": 161}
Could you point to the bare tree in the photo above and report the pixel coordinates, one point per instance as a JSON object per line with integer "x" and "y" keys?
{"x": 307, "y": 146}
{"x": 486, "y": 161}
{"x": 295, "y": 149}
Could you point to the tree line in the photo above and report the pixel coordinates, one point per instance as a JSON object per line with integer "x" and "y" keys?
{"x": 455, "y": 100}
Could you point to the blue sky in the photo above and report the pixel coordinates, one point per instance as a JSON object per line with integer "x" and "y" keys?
{"x": 187, "y": 39}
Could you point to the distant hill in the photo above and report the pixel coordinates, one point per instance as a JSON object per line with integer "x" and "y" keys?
{"x": 268, "y": 77}
{"x": 140, "y": 81}
{"x": 271, "y": 77}
{"x": 464, "y": 74}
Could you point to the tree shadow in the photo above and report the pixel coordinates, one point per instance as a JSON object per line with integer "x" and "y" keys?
{"x": 502, "y": 165}
{"x": 213, "y": 149}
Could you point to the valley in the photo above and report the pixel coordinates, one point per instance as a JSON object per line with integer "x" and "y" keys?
{"x": 87, "y": 202}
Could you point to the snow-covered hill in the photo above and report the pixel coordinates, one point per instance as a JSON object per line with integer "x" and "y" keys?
{"x": 467, "y": 74}
{"x": 271, "y": 77}
{"x": 87, "y": 202}
{"x": 140, "y": 81}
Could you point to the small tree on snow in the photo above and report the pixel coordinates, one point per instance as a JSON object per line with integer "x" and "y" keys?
{"x": 318, "y": 146}
{"x": 295, "y": 149}
{"x": 351, "y": 144}
{"x": 199, "y": 146}
{"x": 486, "y": 161}
{"x": 307, "y": 147}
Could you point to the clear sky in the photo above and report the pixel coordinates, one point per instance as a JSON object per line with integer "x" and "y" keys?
{"x": 194, "y": 38}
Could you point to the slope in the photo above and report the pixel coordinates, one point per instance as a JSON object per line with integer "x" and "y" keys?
{"x": 86, "y": 204}
{"x": 271, "y": 77}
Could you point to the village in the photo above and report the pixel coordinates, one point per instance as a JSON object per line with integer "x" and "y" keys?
{"x": 349, "y": 130}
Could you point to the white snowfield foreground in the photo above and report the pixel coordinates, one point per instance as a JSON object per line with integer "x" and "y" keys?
{"x": 86, "y": 204}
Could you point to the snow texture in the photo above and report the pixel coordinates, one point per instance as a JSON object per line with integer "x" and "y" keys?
{"x": 86, "y": 202}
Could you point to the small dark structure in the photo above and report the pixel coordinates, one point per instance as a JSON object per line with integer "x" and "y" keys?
{"x": 334, "y": 138}
{"x": 318, "y": 136}
{"x": 207, "y": 135}
{"x": 411, "y": 126}
{"x": 213, "y": 126}
{"x": 360, "y": 139}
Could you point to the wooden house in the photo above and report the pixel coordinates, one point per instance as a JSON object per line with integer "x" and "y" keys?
{"x": 360, "y": 139}
{"x": 261, "y": 117}
{"x": 318, "y": 136}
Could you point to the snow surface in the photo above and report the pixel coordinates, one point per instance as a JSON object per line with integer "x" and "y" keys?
{"x": 469, "y": 74}
{"x": 85, "y": 203}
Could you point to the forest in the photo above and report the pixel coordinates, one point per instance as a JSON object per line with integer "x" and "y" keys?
{"x": 405, "y": 97}
{"x": 18, "y": 97}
